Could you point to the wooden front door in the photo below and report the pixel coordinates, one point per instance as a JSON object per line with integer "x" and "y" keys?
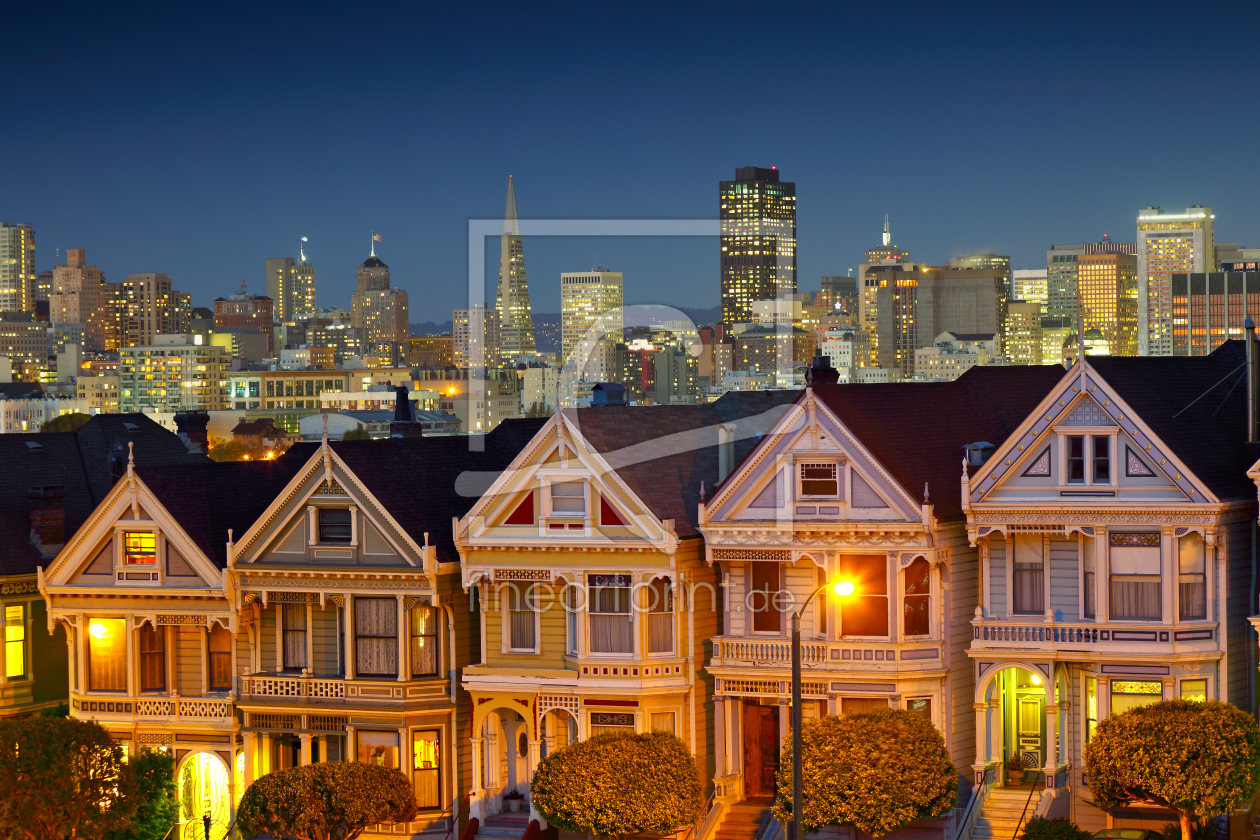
{"x": 761, "y": 749}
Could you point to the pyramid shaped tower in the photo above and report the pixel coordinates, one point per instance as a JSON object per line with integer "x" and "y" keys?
{"x": 516, "y": 318}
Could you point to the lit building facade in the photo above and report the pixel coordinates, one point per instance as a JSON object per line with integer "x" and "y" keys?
{"x": 915, "y": 306}
{"x": 17, "y": 268}
{"x": 1107, "y": 287}
{"x": 173, "y": 374}
{"x": 1030, "y": 284}
{"x": 379, "y": 312}
{"x": 516, "y": 316}
{"x": 588, "y": 299}
{"x": 758, "y": 240}
{"x": 475, "y": 337}
{"x": 1022, "y": 340}
{"x": 1168, "y": 244}
{"x": 1208, "y": 309}
{"x": 291, "y": 287}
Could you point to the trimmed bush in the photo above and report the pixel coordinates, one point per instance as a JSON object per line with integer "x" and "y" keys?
{"x": 1059, "y": 828}
{"x": 876, "y": 771}
{"x": 614, "y": 785}
{"x": 328, "y": 801}
{"x": 1198, "y": 759}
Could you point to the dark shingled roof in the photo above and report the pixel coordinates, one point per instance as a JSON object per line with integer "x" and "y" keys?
{"x": 20, "y": 390}
{"x": 374, "y": 262}
{"x": 1210, "y": 435}
{"x": 917, "y": 430}
{"x": 665, "y": 452}
{"x": 85, "y": 462}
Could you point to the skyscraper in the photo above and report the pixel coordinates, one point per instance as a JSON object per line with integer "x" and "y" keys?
{"x": 516, "y": 318}
{"x": 585, "y": 297}
{"x": 469, "y": 327}
{"x": 1168, "y": 243}
{"x": 379, "y": 311}
{"x": 916, "y": 305}
{"x": 1029, "y": 284}
{"x": 886, "y": 253}
{"x": 291, "y": 286}
{"x": 152, "y": 308}
{"x": 1062, "y": 297}
{"x": 887, "y": 257}
{"x": 1211, "y": 308}
{"x": 17, "y": 268}
{"x": 1107, "y": 285}
{"x": 758, "y": 217}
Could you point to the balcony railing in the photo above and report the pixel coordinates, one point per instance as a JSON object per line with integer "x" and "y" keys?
{"x": 337, "y": 691}
{"x": 843, "y": 655}
{"x": 1035, "y": 634}
{"x": 200, "y": 709}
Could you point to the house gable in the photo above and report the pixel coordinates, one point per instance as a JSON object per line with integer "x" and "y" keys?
{"x": 811, "y": 467}
{"x": 1055, "y": 453}
{"x": 326, "y": 517}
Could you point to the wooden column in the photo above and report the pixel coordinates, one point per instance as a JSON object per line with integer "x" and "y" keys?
{"x": 402, "y": 640}
{"x": 349, "y": 613}
{"x": 1102, "y": 575}
{"x": 719, "y": 737}
{"x": 1168, "y": 572}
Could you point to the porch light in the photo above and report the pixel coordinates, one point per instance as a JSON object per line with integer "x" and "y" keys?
{"x": 1036, "y": 679}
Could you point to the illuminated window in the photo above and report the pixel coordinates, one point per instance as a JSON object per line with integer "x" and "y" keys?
{"x": 152, "y": 658}
{"x": 1130, "y": 694}
{"x": 15, "y": 641}
{"x": 140, "y": 548}
{"x": 107, "y": 654}
{"x": 1194, "y": 690}
{"x": 424, "y": 641}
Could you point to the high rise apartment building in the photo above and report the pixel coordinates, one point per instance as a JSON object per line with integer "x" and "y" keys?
{"x": 80, "y": 295}
{"x": 1021, "y": 338}
{"x": 985, "y": 260}
{"x": 591, "y": 299}
{"x": 1210, "y": 308}
{"x": 377, "y": 309}
{"x": 516, "y": 317}
{"x": 1107, "y": 287}
{"x": 476, "y": 326}
{"x": 1029, "y": 285}
{"x": 1168, "y": 244}
{"x": 243, "y": 311}
{"x": 758, "y": 239}
{"x": 17, "y": 268}
{"x": 153, "y": 308}
{"x": 887, "y": 257}
{"x": 172, "y": 374}
{"x": 915, "y": 306}
{"x": 291, "y": 287}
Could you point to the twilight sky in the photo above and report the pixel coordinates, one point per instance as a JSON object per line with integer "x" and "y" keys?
{"x": 198, "y": 139}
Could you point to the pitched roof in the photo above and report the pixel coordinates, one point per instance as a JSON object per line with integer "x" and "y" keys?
{"x": 917, "y": 430}
{"x": 1197, "y": 405}
{"x": 255, "y": 427}
{"x": 85, "y": 462}
{"x": 665, "y": 452}
{"x": 20, "y": 390}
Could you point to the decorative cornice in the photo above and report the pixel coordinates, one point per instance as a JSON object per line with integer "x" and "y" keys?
{"x": 334, "y": 581}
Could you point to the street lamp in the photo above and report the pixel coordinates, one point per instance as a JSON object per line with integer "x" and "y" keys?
{"x": 843, "y": 589}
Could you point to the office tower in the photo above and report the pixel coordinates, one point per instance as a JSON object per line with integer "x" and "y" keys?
{"x": 24, "y": 343}
{"x": 516, "y": 318}
{"x": 1062, "y": 298}
{"x": 473, "y": 326}
{"x": 758, "y": 233}
{"x": 887, "y": 253}
{"x": 1210, "y": 308}
{"x": 839, "y": 296}
{"x": 152, "y": 308}
{"x": 436, "y": 351}
{"x": 915, "y": 306}
{"x": 1029, "y": 285}
{"x": 588, "y": 298}
{"x": 376, "y": 309}
{"x": 1022, "y": 336}
{"x": 1168, "y": 244}
{"x": 17, "y": 268}
{"x": 79, "y": 295}
{"x": 291, "y": 287}
{"x": 1107, "y": 286}
{"x": 246, "y": 312}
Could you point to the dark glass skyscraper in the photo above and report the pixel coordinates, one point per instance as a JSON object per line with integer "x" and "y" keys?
{"x": 758, "y": 213}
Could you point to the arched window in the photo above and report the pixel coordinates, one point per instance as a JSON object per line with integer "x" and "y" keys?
{"x": 918, "y": 590}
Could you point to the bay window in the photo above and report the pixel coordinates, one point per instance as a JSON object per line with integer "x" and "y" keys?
{"x": 568, "y": 499}
{"x": 293, "y": 617}
{"x": 1136, "y": 591}
{"x": 152, "y": 658}
{"x": 1028, "y": 578}
{"x": 917, "y": 598}
{"x": 376, "y": 638}
{"x": 1191, "y": 578}
{"x": 520, "y": 613}
{"x": 220, "y": 646}
{"x": 107, "y": 654}
{"x": 380, "y": 748}
{"x": 611, "y": 618}
{"x": 661, "y": 616}
{"x": 1130, "y": 694}
{"x": 1089, "y": 577}
{"x": 14, "y": 641}
{"x": 334, "y": 526}
{"x": 426, "y": 767}
{"x": 424, "y": 641}
{"x": 865, "y": 612}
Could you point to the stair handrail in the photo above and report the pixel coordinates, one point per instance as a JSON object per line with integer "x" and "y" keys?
{"x": 703, "y": 815}
{"x": 977, "y": 795}
{"x": 1027, "y": 802}
{"x": 766, "y": 820}
{"x": 454, "y": 808}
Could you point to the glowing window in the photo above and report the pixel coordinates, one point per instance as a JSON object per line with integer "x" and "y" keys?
{"x": 14, "y": 641}
{"x": 140, "y": 547}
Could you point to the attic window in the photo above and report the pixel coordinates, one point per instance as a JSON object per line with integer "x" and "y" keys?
{"x": 139, "y": 548}
{"x": 819, "y": 481}
{"x": 568, "y": 498}
{"x": 334, "y": 525}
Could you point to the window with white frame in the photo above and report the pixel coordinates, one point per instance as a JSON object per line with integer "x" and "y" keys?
{"x": 661, "y": 616}
{"x": 1136, "y": 591}
{"x": 521, "y": 618}
{"x": 14, "y": 641}
{"x": 611, "y": 618}
{"x": 918, "y": 581}
{"x": 139, "y": 548}
{"x": 1191, "y": 578}
{"x": 1029, "y": 574}
{"x": 1089, "y": 577}
{"x": 818, "y": 480}
{"x": 293, "y": 617}
{"x": 568, "y": 499}
{"x": 571, "y": 606}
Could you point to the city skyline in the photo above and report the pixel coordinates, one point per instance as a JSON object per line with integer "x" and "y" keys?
{"x": 156, "y": 187}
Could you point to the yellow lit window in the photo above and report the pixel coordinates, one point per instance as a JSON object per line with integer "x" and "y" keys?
{"x": 14, "y": 641}
{"x": 140, "y": 547}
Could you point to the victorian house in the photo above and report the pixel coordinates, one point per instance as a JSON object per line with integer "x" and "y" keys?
{"x": 856, "y": 484}
{"x": 256, "y": 616}
{"x": 597, "y": 604}
{"x": 1115, "y": 530}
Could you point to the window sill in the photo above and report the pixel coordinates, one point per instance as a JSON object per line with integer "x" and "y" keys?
{"x": 520, "y": 652}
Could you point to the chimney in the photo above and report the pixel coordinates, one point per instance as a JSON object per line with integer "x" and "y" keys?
{"x": 821, "y": 372}
{"x": 192, "y": 430}
{"x": 1253, "y": 381}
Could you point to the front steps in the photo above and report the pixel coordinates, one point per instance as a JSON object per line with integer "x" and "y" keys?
{"x": 999, "y": 817}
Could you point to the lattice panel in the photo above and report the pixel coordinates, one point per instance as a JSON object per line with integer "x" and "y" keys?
{"x": 330, "y": 488}
{"x": 204, "y": 708}
{"x": 154, "y": 708}
{"x": 523, "y": 574}
{"x": 567, "y": 702}
{"x": 780, "y": 555}
{"x": 171, "y": 620}
{"x": 274, "y": 687}
{"x": 154, "y": 739}
{"x": 327, "y": 723}
{"x": 1088, "y": 413}
{"x": 292, "y": 597}
{"x": 273, "y": 721}
{"x": 741, "y": 686}
{"x": 326, "y": 689}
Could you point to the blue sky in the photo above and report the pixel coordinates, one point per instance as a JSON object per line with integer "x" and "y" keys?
{"x": 200, "y": 139}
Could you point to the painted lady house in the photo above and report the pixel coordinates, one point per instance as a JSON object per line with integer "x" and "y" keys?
{"x": 596, "y": 601}
{"x": 1116, "y": 543}
{"x": 855, "y": 483}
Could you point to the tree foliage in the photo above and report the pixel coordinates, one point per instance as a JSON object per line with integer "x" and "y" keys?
{"x": 616, "y": 784}
{"x": 876, "y": 771}
{"x": 327, "y": 801}
{"x": 157, "y": 807}
{"x": 227, "y": 449}
{"x": 358, "y": 433}
{"x": 62, "y": 779}
{"x": 65, "y": 423}
{"x": 1059, "y": 828}
{"x": 1198, "y": 759}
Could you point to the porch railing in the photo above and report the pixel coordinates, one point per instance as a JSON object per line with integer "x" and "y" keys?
{"x": 1034, "y": 633}
{"x": 778, "y": 651}
{"x": 336, "y": 690}
{"x": 154, "y": 707}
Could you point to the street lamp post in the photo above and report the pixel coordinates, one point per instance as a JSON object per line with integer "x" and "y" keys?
{"x": 843, "y": 589}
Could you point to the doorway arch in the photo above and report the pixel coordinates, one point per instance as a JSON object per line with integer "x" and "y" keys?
{"x": 204, "y": 791}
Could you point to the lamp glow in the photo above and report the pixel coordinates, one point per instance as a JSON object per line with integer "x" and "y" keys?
{"x": 98, "y": 630}
{"x": 1036, "y": 680}
{"x": 844, "y": 588}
